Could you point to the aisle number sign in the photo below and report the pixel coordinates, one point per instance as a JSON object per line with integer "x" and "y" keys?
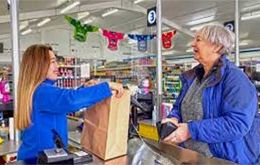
{"x": 151, "y": 17}
{"x": 230, "y": 25}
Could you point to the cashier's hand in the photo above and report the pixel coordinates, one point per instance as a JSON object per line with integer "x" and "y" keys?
{"x": 180, "y": 135}
{"x": 118, "y": 88}
{"x": 91, "y": 83}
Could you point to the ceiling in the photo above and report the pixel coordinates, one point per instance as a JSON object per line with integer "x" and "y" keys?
{"x": 132, "y": 17}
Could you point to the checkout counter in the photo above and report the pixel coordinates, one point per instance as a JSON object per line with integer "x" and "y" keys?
{"x": 140, "y": 151}
{"x": 149, "y": 152}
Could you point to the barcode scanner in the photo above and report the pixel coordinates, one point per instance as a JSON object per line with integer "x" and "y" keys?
{"x": 165, "y": 129}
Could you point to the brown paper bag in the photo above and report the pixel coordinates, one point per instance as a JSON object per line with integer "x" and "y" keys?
{"x": 106, "y": 127}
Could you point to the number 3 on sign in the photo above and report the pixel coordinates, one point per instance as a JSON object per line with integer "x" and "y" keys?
{"x": 151, "y": 16}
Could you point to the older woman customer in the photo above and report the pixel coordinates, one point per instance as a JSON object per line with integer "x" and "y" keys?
{"x": 216, "y": 111}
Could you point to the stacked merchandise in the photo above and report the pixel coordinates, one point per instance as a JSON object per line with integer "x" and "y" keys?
{"x": 171, "y": 83}
{"x": 5, "y": 81}
{"x": 68, "y": 76}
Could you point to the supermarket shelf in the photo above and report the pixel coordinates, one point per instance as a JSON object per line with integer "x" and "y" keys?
{"x": 125, "y": 68}
{"x": 69, "y": 66}
{"x": 110, "y": 69}
{"x": 69, "y": 77}
{"x": 173, "y": 77}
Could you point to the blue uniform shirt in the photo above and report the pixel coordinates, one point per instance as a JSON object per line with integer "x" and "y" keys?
{"x": 49, "y": 109}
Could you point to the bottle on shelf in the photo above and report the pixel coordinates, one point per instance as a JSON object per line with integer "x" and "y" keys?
{"x": 4, "y": 130}
{"x": 5, "y": 95}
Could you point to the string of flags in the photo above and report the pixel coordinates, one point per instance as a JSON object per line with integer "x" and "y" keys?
{"x": 113, "y": 38}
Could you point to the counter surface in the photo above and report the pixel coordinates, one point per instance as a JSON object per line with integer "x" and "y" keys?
{"x": 150, "y": 152}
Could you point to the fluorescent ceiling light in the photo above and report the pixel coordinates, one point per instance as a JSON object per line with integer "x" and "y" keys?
{"x": 33, "y": 21}
{"x": 197, "y": 27}
{"x": 202, "y": 20}
{"x": 130, "y": 41}
{"x": 251, "y": 8}
{"x": 82, "y": 15}
{"x": 69, "y": 7}
{"x": 61, "y": 2}
{"x": 26, "y": 31}
{"x": 250, "y": 16}
{"x": 189, "y": 50}
{"x": 189, "y": 44}
{"x": 243, "y": 43}
{"x": 87, "y": 21}
{"x": 170, "y": 52}
{"x": 243, "y": 35}
{"x": 23, "y": 25}
{"x": 109, "y": 12}
{"x": 43, "y": 22}
{"x": 165, "y": 28}
{"x": 138, "y": 1}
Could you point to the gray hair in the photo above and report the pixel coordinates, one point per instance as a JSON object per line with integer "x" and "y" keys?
{"x": 220, "y": 36}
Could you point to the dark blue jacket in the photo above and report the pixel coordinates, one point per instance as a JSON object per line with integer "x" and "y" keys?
{"x": 50, "y": 106}
{"x": 231, "y": 123}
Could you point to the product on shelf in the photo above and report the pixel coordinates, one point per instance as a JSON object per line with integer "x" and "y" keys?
{"x": 5, "y": 80}
{"x": 165, "y": 109}
{"x": 69, "y": 73}
{"x": 171, "y": 82}
{"x": 5, "y": 95}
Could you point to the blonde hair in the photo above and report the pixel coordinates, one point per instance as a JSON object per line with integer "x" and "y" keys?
{"x": 33, "y": 71}
{"x": 220, "y": 36}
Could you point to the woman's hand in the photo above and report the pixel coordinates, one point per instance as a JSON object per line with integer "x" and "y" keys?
{"x": 91, "y": 83}
{"x": 180, "y": 135}
{"x": 173, "y": 120}
{"x": 118, "y": 88}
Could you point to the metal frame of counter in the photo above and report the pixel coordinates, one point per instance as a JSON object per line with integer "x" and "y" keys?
{"x": 138, "y": 151}
{"x": 149, "y": 152}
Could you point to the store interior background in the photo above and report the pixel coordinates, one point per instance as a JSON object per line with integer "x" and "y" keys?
{"x": 127, "y": 64}
{"x": 185, "y": 16}
{"x": 130, "y": 19}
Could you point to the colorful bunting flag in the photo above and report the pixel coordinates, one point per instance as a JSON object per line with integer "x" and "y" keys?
{"x": 141, "y": 40}
{"x": 167, "y": 39}
{"x": 80, "y": 31}
{"x": 113, "y": 38}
